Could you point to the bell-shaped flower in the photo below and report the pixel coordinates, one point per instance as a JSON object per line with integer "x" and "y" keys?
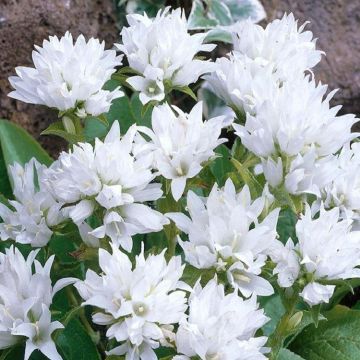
{"x": 111, "y": 178}
{"x": 139, "y": 304}
{"x": 182, "y": 143}
{"x": 25, "y": 298}
{"x": 327, "y": 250}
{"x": 29, "y": 219}
{"x": 225, "y": 233}
{"x": 68, "y": 76}
{"x": 220, "y": 326}
{"x": 162, "y": 57}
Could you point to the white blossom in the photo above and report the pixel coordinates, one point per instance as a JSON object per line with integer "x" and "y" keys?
{"x": 68, "y": 76}
{"x": 343, "y": 189}
{"x": 225, "y": 233}
{"x": 220, "y": 326}
{"x": 162, "y": 56}
{"x": 327, "y": 250}
{"x": 242, "y": 83}
{"x": 110, "y": 177}
{"x": 25, "y": 298}
{"x": 182, "y": 143}
{"x": 34, "y": 212}
{"x": 300, "y": 127}
{"x": 138, "y": 304}
{"x": 284, "y": 46}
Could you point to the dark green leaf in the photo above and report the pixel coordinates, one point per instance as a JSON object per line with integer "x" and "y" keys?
{"x": 221, "y": 166}
{"x": 338, "y": 338}
{"x": 286, "y": 225}
{"x": 75, "y": 343}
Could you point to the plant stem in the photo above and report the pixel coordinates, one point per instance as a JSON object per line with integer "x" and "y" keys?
{"x": 93, "y": 334}
{"x": 277, "y": 338}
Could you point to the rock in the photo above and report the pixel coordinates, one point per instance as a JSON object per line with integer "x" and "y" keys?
{"x": 336, "y": 24}
{"x": 24, "y": 23}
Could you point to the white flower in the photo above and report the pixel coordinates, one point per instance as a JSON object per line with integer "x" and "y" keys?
{"x": 221, "y": 326}
{"x": 110, "y": 177}
{"x": 25, "y": 299}
{"x": 151, "y": 86}
{"x": 182, "y": 143}
{"x": 343, "y": 189}
{"x": 68, "y": 76}
{"x": 297, "y": 118}
{"x": 137, "y": 304}
{"x": 242, "y": 83}
{"x": 224, "y": 232}
{"x": 299, "y": 126}
{"x": 327, "y": 250}
{"x": 170, "y": 54}
{"x": 286, "y": 48}
{"x": 34, "y": 211}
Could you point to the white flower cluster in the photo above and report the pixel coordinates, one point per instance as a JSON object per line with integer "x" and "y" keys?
{"x": 288, "y": 123}
{"x": 219, "y": 239}
{"x": 31, "y": 217}
{"x": 68, "y": 76}
{"x": 25, "y": 299}
{"x": 163, "y": 52}
{"x": 109, "y": 189}
{"x": 220, "y": 326}
{"x": 112, "y": 178}
{"x": 342, "y": 187}
{"x": 181, "y": 143}
{"x": 139, "y": 304}
{"x": 326, "y": 250}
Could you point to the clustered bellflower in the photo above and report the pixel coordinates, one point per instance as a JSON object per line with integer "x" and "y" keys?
{"x": 172, "y": 227}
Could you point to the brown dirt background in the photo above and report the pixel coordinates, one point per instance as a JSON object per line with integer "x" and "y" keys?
{"x": 336, "y": 24}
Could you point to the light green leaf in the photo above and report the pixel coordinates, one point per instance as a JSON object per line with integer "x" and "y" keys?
{"x": 186, "y": 90}
{"x": 338, "y": 338}
{"x": 286, "y": 354}
{"x": 248, "y": 178}
{"x": 246, "y": 9}
{"x": 210, "y": 14}
{"x": 57, "y": 129}
{"x": 18, "y": 146}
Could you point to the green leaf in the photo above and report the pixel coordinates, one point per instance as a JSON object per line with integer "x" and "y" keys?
{"x": 57, "y": 129}
{"x": 221, "y": 166}
{"x": 248, "y": 178}
{"x": 186, "y": 90}
{"x": 338, "y": 338}
{"x": 209, "y": 13}
{"x": 246, "y": 9}
{"x": 286, "y": 225}
{"x": 192, "y": 274}
{"x": 5, "y": 186}
{"x": 274, "y": 309}
{"x": 286, "y": 354}
{"x": 18, "y": 146}
{"x": 75, "y": 343}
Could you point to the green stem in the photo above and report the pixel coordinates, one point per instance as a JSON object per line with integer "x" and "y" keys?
{"x": 277, "y": 338}
{"x": 72, "y": 298}
{"x": 5, "y": 353}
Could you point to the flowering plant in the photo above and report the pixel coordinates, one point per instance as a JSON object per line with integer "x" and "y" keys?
{"x": 161, "y": 235}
